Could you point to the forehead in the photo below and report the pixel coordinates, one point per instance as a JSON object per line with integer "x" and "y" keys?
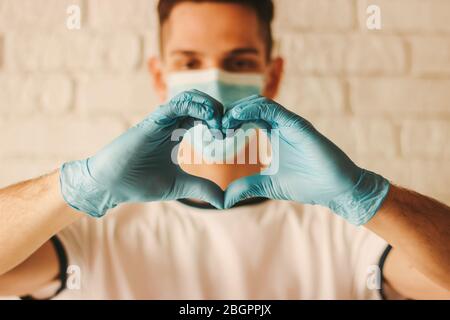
{"x": 212, "y": 28}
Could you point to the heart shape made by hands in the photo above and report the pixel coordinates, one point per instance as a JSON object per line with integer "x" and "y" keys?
{"x": 215, "y": 147}
{"x": 223, "y": 158}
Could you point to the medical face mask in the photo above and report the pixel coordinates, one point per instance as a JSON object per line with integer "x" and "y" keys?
{"x": 225, "y": 87}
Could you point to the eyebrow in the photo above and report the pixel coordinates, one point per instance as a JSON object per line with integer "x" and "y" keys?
{"x": 239, "y": 51}
{"x": 184, "y": 52}
{"x": 233, "y": 52}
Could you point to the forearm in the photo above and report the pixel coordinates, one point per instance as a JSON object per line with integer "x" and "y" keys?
{"x": 419, "y": 227}
{"x": 32, "y": 275}
{"x": 31, "y": 212}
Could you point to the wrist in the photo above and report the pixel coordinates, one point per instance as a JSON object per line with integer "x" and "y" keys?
{"x": 364, "y": 200}
{"x": 82, "y": 192}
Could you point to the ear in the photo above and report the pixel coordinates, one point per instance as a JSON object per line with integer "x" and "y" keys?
{"x": 159, "y": 83}
{"x": 273, "y": 77}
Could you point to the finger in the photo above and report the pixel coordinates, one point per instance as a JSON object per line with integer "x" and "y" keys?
{"x": 228, "y": 121}
{"x": 194, "y": 104}
{"x": 192, "y": 187}
{"x": 269, "y": 111}
{"x": 216, "y": 121}
{"x": 245, "y": 100}
{"x": 246, "y": 188}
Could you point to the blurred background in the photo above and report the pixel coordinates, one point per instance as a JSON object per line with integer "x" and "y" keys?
{"x": 383, "y": 96}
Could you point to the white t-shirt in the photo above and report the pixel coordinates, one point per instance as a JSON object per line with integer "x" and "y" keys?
{"x": 269, "y": 250}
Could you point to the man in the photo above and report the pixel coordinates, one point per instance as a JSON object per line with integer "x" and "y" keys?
{"x": 148, "y": 245}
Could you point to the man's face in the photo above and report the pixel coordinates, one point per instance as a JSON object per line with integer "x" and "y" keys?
{"x": 209, "y": 35}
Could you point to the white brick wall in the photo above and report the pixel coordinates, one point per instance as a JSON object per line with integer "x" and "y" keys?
{"x": 383, "y": 96}
{"x": 42, "y": 15}
{"x": 72, "y": 51}
{"x": 430, "y": 55}
{"x": 345, "y": 54}
{"x": 410, "y": 16}
{"x": 302, "y": 15}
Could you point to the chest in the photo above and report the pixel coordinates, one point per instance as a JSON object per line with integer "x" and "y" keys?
{"x": 226, "y": 258}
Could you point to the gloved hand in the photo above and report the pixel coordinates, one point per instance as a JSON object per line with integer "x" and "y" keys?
{"x": 312, "y": 169}
{"x": 137, "y": 166}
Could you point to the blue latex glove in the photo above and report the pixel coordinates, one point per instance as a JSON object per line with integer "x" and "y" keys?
{"x": 312, "y": 169}
{"x": 137, "y": 166}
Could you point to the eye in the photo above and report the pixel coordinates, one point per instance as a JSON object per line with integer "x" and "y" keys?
{"x": 241, "y": 65}
{"x": 191, "y": 64}
{"x": 185, "y": 63}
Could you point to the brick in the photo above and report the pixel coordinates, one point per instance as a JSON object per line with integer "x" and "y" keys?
{"x": 35, "y": 14}
{"x": 21, "y": 169}
{"x": 430, "y": 55}
{"x": 400, "y": 97}
{"x": 313, "y": 95}
{"x": 360, "y": 137}
{"x": 45, "y": 137}
{"x": 35, "y": 93}
{"x": 376, "y": 138}
{"x": 336, "y": 54}
{"x": 426, "y": 139}
{"x": 428, "y": 177}
{"x": 119, "y": 15}
{"x": 2, "y": 49}
{"x": 338, "y": 129}
{"x": 397, "y": 170}
{"x": 151, "y": 46}
{"x": 375, "y": 55}
{"x": 431, "y": 177}
{"x": 315, "y": 15}
{"x": 409, "y": 15}
{"x": 118, "y": 94}
{"x": 73, "y": 51}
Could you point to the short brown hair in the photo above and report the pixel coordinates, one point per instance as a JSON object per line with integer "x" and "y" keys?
{"x": 263, "y": 8}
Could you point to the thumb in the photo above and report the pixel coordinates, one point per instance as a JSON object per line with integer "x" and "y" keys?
{"x": 248, "y": 187}
{"x": 192, "y": 187}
